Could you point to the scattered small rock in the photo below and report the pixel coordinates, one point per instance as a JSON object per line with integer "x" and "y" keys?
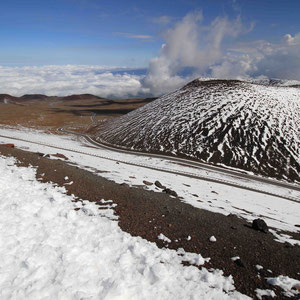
{"x": 170, "y": 192}
{"x": 214, "y": 192}
{"x": 159, "y": 185}
{"x": 240, "y": 263}
{"x": 195, "y": 195}
{"x": 231, "y": 216}
{"x": 59, "y": 155}
{"x": 287, "y": 245}
{"x": 297, "y": 225}
{"x": 260, "y": 225}
{"x": 147, "y": 182}
{"x": 8, "y": 145}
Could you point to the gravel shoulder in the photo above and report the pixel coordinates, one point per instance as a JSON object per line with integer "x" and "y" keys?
{"x": 147, "y": 214}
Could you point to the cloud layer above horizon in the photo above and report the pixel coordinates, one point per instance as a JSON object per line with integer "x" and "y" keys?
{"x": 70, "y": 79}
{"x": 212, "y": 50}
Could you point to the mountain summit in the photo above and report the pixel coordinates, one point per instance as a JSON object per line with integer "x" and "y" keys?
{"x": 238, "y": 124}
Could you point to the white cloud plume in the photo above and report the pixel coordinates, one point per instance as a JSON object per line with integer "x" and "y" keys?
{"x": 189, "y": 45}
{"x": 213, "y": 51}
{"x": 69, "y": 79}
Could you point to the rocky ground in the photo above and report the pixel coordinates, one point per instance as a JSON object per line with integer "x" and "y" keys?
{"x": 148, "y": 214}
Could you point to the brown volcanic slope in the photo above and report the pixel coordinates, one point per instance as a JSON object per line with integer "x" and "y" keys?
{"x": 237, "y": 124}
{"x": 50, "y": 112}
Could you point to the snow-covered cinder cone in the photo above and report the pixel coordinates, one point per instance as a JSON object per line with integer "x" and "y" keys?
{"x": 238, "y": 124}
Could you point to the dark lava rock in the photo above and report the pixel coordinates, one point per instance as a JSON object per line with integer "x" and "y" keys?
{"x": 159, "y": 185}
{"x": 59, "y": 155}
{"x": 170, "y": 192}
{"x": 260, "y": 225}
{"x": 147, "y": 182}
{"x": 240, "y": 263}
{"x": 8, "y": 145}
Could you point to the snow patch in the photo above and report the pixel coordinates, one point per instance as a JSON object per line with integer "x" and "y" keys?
{"x": 290, "y": 286}
{"x": 212, "y": 239}
{"x": 48, "y": 250}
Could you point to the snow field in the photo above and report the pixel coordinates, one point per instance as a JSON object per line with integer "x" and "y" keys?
{"x": 50, "y": 251}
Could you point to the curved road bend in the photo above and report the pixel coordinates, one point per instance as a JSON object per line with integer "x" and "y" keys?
{"x": 194, "y": 164}
{"x": 186, "y": 174}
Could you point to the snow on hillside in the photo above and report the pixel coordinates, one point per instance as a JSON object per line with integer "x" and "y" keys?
{"x": 50, "y": 251}
{"x": 238, "y": 124}
{"x": 274, "y": 82}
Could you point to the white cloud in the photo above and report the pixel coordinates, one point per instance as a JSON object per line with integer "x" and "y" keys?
{"x": 274, "y": 60}
{"x": 189, "y": 45}
{"x": 213, "y": 51}
{"x": 69, "y": 79}
{"x": 292, "y": 40}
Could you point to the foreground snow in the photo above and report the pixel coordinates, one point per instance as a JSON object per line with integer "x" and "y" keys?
{"x": 50, "y": 251}
{"x": 278, "y": 213}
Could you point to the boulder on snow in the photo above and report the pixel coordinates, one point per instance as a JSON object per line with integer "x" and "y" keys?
{"x": 9, "y": 145}
{"x": 260, "y": 225}
{"x": 59, "y": 155}
{"x": 147, "y": 182}
{"x": 159, "y": 185}
{"x": 170, "y": 192}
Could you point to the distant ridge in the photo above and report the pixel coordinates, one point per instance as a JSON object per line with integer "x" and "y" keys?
{"x": 41, "y": 97}
{"x": 7, "y": 97}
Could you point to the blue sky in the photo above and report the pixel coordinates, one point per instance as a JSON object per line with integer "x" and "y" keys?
{"x": 121, "y": 33}
{"x": 161, "y": 44}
